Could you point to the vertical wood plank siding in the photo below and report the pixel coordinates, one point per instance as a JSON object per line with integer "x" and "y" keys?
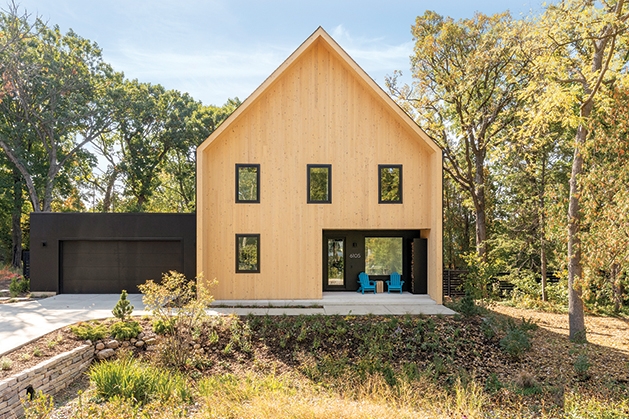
{"x": 318, "y": 110}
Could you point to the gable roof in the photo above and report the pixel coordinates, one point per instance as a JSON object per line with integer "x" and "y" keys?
{"x": 320, "y": 35}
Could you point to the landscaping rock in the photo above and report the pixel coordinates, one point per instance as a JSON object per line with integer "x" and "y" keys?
{"x": 113, "y": 344}
{"x": 139, "y": 343}
{"x": 100, "y": 346}
{"x": 105, "y": 353}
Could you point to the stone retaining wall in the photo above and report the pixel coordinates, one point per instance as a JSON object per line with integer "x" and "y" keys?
{"x": 50, "y": 377}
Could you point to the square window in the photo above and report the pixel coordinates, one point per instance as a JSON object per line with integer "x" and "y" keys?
{"x": 319, "y": 183}
{"x": 384, "y": 255}
{"x": 390, "y": 184}
{"x": 247, "y": 253}
{"x": 247, "y": 183}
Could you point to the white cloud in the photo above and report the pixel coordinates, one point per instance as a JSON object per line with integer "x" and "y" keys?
{"x": 215, "y": 74}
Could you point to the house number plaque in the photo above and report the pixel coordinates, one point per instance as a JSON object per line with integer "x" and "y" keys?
{"x": 354, "y": 256}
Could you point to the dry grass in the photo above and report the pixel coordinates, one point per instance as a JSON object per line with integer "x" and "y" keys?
{"x": 269, "y": 380}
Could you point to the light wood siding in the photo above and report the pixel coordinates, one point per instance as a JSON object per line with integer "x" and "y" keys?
{"x": 317, "y": 110}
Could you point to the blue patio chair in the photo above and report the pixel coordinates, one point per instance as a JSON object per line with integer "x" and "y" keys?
{"x": 365, "y": 283}
{"x": 394, "y": 283}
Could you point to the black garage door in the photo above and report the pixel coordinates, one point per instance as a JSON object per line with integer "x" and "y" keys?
{"x": 109, "y": 266}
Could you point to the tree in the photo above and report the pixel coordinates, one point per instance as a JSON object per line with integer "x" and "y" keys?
{"x": 467, "y": 77}
{"x": 151, "y": 149}
{"x": 605, "y": 204}
{"x": 530, "y": 178}
{"x": 54, "y": 100}
{"x": 584, "y": 54}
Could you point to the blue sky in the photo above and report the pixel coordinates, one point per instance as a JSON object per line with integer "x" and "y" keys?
{"x": 217, "y": 49}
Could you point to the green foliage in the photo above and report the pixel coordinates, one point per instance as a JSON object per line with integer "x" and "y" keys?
{"x": 138, "y": 382}
{"x": 582, "y": 366}
{"x": 49, "y": 115}
{"x": 480, "y": 274}
{"x": 123, "y": 308}
{"x": 39, "y": 407}
{"x": 5, "y": 364}
{"x": 92, "y": 331}
{"x": 179, "y": 307}
{"x": 516, "y": 341}
{"x": 162, "y": 327}
{"x": 493, "y": 384}
{"x": 125, "y": 330}
{"x": 19, "y": 285}
{"x": 466, "y": 306}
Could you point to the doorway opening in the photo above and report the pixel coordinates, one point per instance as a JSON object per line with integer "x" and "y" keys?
{"x": 379, "y": 253}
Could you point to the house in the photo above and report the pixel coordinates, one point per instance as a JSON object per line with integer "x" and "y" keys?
{"x": 318, "y": 176}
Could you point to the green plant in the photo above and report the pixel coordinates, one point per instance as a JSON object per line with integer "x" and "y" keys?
{"x": 123, "y": 308}
{"x": 55, "y": 341}
{"x": 5, "y": 364}
{"x": 466, "y": 305}
{"x": 180, "y": 306}
{"x": 139, "y": 382}
{"x": 124, "y": 330}
{"x": 37, "y": 406}
{"x": 515, "y": 343}
{"x": 479, "y": 275}
{"x": 161, "y": 326}
{"x": 37, "y": 352}
{"x": 493, "y": 384}
{"x": 90, "y": 331}
{"x": 527, "y": 384}
{"x": 581, "y": 367}
{"x": 19, "y": 285}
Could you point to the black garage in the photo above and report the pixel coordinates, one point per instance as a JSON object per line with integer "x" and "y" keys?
{"x": 84, "y": 253}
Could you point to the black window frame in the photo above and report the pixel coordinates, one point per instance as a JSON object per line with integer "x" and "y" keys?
{"x": 247, "y": 201}
{"x": 319, "y": 166}
{"x": 247, "y": 271}
{"x": 401, "y": 190}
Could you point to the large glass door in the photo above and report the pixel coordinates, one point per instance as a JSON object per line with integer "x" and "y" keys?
{"x": 335, "y": 272}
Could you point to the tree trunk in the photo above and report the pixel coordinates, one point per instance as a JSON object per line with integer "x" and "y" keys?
{"x": 30, "y": 186}
{"x": 576, "y": 316}
{"x": 109, "y": 191}
{"x": 616, "y": 287}
{"x": 543, "y": 268}
{"x": 16, "y": 220}
{"x": 542, "y": 227}
{"x": 479, "y": 206}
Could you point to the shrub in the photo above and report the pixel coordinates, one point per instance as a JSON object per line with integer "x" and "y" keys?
{"x": 582, "y": 367}
{"x": 37, "y": 406}
{"x": 176, "y": 303}
{"x": 515, "y": 343}
{"x": 139, "y": 382}
{"x": 19, "y": 285}
{"x": 5, "y": 364}
{"x": 466, "y": 305}
{"x": 90, "y": 331}
{"x": 493, "y": 384}
{"x": 161, "y": 327}
{"x": 479, "y": 276}
{"x": 527, "y": 384}
{"x": 123, "y": 309}
{"x": 125, "y": 330}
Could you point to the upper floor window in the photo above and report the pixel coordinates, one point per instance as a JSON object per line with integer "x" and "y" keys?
{"x": 247, "y": 183}
{"x": 319, "y": 183}
{"x": 390, "y": 183}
